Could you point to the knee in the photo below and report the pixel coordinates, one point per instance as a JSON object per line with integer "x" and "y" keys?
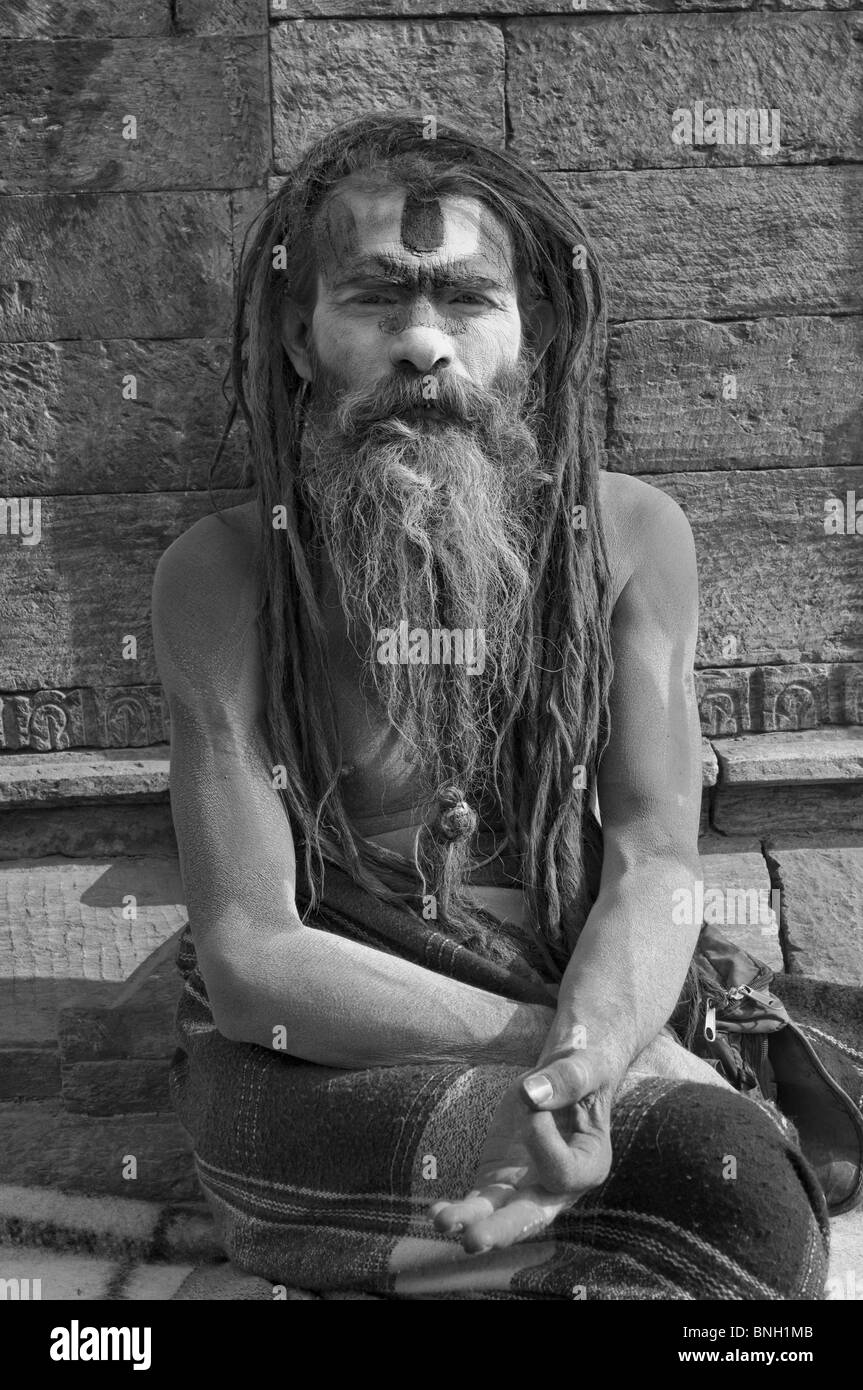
{"x": 729, "y": 1172}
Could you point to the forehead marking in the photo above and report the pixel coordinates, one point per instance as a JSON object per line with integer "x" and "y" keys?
{"x": 360, "y": 220}
{"x": 422, "y": 224}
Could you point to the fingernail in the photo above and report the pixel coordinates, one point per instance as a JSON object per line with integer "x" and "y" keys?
{"x": 539, "y": 1088}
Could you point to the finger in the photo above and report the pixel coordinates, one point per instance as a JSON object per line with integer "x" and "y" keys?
{"x": 560, "y": 1083}
{"x": 452, "y": 1217}
{"x": 525, "y": 1216}
{"x": 571, "y": 1166}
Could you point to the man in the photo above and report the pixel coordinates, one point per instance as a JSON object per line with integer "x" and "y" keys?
{"x": 427, "y": 1056}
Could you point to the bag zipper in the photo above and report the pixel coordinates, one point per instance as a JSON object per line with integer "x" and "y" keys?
{"x": 760, "y": 996}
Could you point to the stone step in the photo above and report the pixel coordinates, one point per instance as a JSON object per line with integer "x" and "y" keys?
{"x": 45, "y": 1146}
{"x": 794, "y": 781}
{"x": 69, "y": 941}
{"x": 84, "y": 775}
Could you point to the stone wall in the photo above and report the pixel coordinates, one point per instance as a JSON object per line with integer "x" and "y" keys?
{"x": 135, "y": 142}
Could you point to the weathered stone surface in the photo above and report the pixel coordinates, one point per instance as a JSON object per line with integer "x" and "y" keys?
{"x": 798, "y": 698}
{"x": 338, "y": 9}
{"x": 755, "y": 699}
{"x": 30, "y": 1007}
{"x": 784, "y": 758}
{"x": 797, "y": 383}
{"x": 131, "y": 716}
{"x": 29, "y": 1073}
{"x": 736, "y": 869}
{"x": 88, "y": 583}
{"x": 721, "y": 243}
{"x": 43, "y": 1146}
{"x": 324, "y": 73}
{"x": 139, "y": 1023}
{"x": 57, "y": 19}
{"x": 773, "y": 587}
{"x": 105, "y": 114}
{"x": 749, "y": 810}
{"x": 115, "y": 265}
{"x": 59, "y": 779}
{"x": 117, "y": 1087}
{"x": 589, "y": 94}
{"x": 117, "y": 416}
{"x": 93, "y": 831}
{"x": 219, "y": 17}
{"x": 724, "y": 700}
{"x": 65, "y": 919}
{"x": 821, "y": 881}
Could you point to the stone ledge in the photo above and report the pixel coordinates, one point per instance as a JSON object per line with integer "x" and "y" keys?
{"x": 89, "y": 775}
{"x": 111, "y": 775}
{"x": 788, "y": 758}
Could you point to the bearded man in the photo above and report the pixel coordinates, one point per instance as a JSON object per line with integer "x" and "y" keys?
{"x": 449, "y": 660}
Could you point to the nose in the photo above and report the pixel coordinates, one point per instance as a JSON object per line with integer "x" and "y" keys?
{"x": 422, "y": 347}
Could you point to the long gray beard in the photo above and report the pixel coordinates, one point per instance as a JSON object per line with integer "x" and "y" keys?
{"x": 431, "y": 524}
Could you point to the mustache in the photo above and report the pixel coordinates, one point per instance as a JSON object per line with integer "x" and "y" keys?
{"x": 404, "y": 401}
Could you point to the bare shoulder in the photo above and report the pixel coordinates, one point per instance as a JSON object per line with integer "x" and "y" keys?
{"x": 207, "y": 564}
{"x": 205, "y": 599}
{"x": 646, "y": 530}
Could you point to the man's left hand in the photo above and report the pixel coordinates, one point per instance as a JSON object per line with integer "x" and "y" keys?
{"x": 549, "y": 1144}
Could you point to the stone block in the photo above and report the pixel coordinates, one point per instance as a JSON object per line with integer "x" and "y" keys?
{"x": 105, "y": 114}
{"x": 55, "y": 721}
{"x": 795, "y": 384}
{"x": 116, "y": 416}
{"x": 219, "y": 16}
{"x": 115, "y": 265}
{"x": 738, "y": 895}
{"x": 587, "y": 93}
{"x": 324, "y": 73}
{"x": 785, "y": 758}
{"x": 337, "y": 9}
{"x": 116, "y": 1087}
{"x": 88, "y": 582}
{"x": 724, "y": 243}
{"x": 760, "y": 541}
{"x": 821, "y": 882}
{"x": 95, "y": 774}
{"x": 44, "y": 1147}
{"x": 58, "y": 19}
{"x": 744, "y": 810}
{"x": 91, "y": 831}
{"x": 29, "y": 1073}
{"x": 68, "y": 920}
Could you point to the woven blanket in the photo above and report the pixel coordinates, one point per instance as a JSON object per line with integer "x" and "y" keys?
{"x": 320, "y": 1178}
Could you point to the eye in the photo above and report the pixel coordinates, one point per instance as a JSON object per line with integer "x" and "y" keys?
{"x": 371, "y": 298}
{"x": 470, "y": 298}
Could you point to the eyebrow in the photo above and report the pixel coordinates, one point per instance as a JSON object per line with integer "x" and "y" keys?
{"x": 445, "y": 275}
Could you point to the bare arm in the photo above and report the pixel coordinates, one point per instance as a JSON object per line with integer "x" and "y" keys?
{"x": 626, "y": 973}
{"x": 340, "y": 1003}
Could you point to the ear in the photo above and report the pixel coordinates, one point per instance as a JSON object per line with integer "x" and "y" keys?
{"x": 296, "y": 332}
{"x": 540, "y": 326}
